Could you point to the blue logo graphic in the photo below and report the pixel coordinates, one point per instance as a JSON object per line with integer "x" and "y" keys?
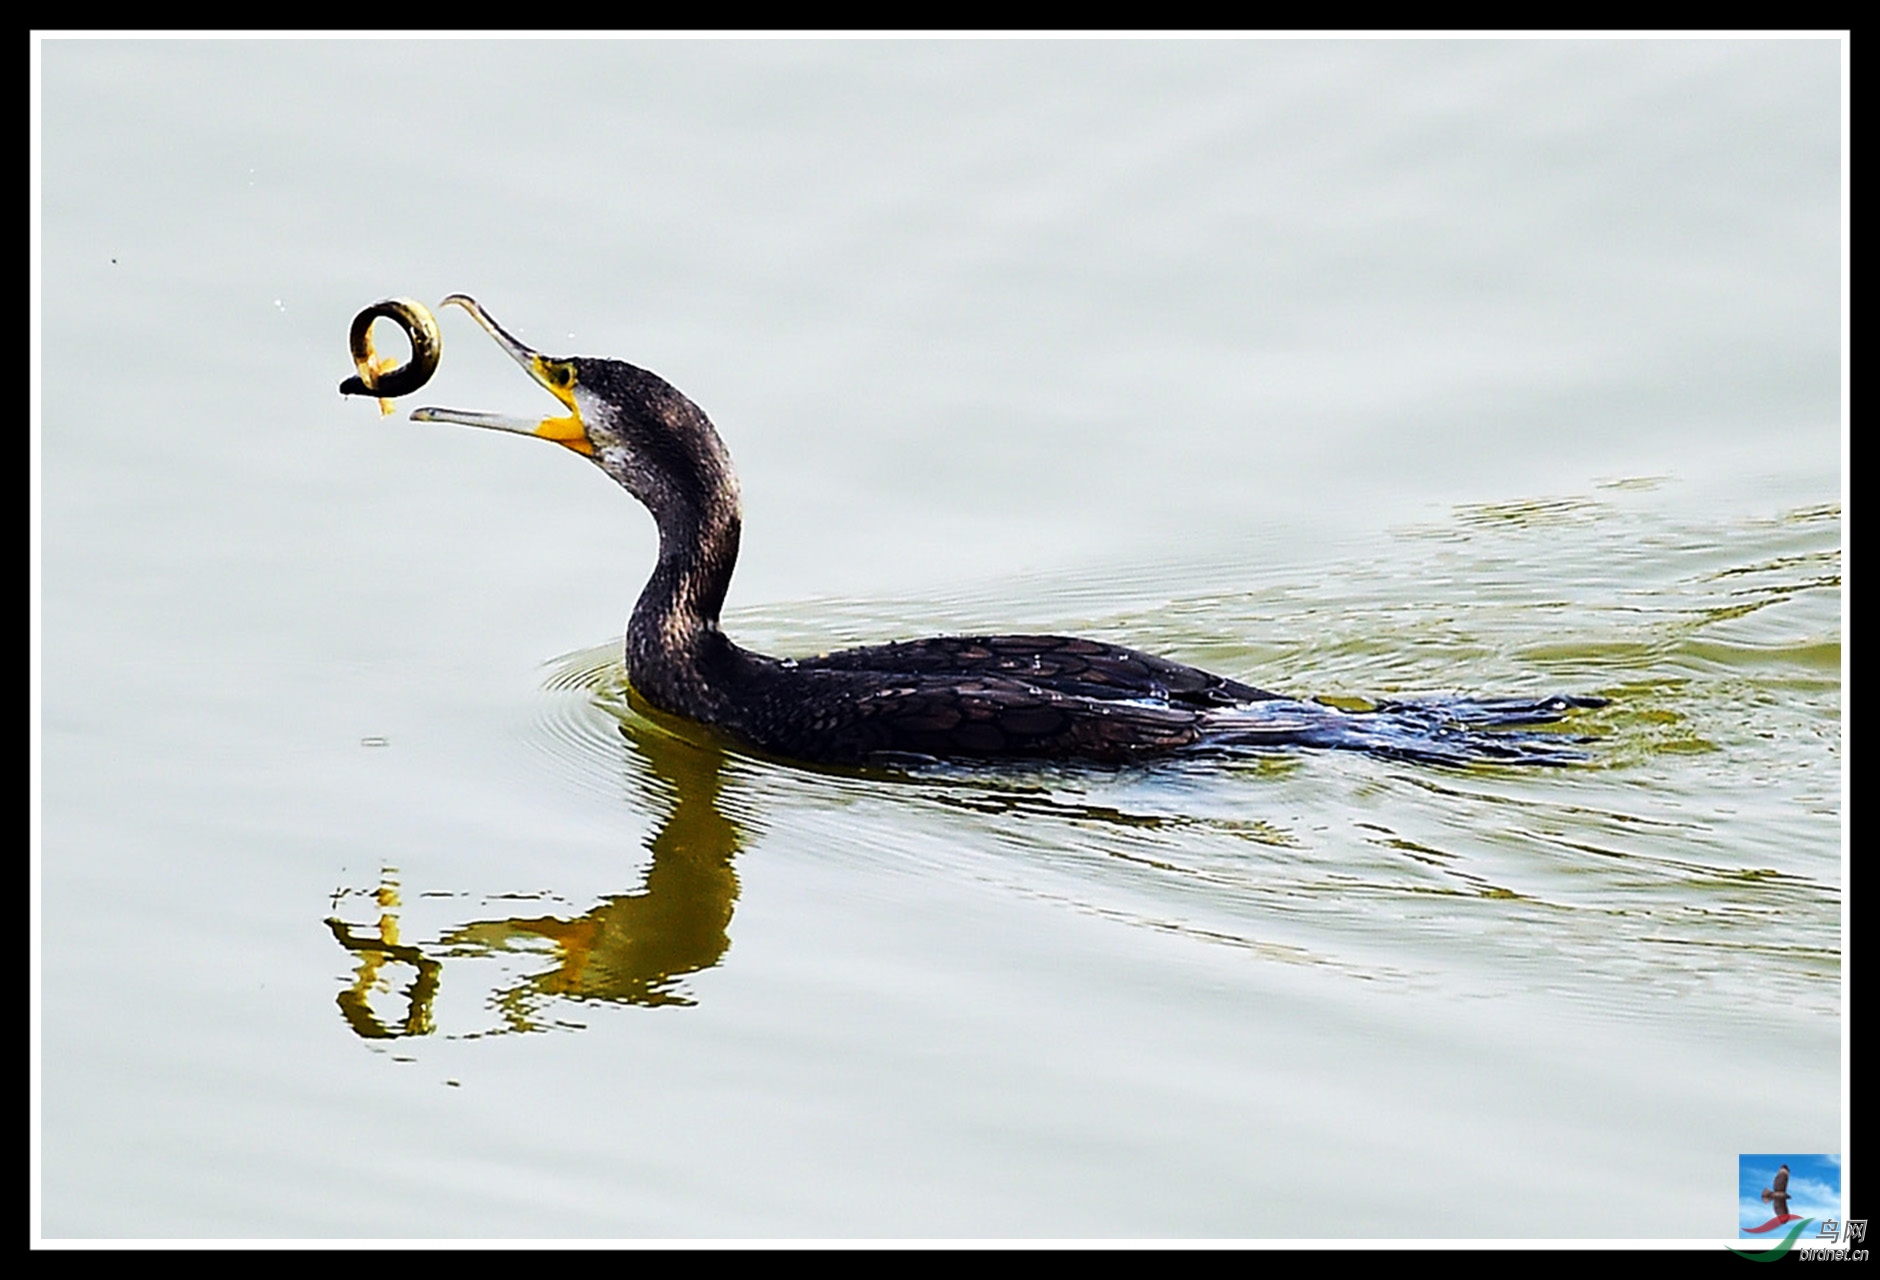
{"x": 1780, "y": 1196}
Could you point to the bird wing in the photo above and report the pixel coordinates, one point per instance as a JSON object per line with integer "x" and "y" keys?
{"x": 843, "y": 715}
{"x": 1073, "y": 667}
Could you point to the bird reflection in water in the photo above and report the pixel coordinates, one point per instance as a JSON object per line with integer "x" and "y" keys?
{"x": 631, "y": 948}
{"x": 355, "y": 1002}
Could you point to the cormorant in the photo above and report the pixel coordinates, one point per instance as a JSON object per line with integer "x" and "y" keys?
{"x": 959, "y": 698}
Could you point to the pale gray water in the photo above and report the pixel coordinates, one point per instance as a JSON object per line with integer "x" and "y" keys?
{"x": 1346, "y": 368}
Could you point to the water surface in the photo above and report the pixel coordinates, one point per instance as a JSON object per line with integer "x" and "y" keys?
{"x": 371, "y": 907}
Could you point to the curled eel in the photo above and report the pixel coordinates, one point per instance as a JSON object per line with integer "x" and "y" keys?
{"x": 377, "y": 375}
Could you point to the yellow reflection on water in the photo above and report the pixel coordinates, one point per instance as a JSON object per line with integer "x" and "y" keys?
{"x": 375, "y": 953}
{"x": 630, "y": 948}
{"x": 633, "y": 947}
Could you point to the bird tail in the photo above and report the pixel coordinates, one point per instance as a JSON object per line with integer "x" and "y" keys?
{"x": 1442, "y": 730}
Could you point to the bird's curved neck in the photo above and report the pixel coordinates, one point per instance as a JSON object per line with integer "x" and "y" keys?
{"x": 677, "y": 658}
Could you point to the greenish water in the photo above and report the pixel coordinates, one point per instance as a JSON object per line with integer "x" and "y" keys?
{"x": 1642, "y": 881}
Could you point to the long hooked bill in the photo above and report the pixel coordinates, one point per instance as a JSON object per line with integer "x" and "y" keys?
{"x": 557, "y": 376}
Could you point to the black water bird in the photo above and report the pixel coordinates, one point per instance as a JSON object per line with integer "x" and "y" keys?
{"x": 958, "y": 698}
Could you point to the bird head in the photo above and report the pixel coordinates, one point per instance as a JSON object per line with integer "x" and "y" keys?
{"x": 633, "y": 424}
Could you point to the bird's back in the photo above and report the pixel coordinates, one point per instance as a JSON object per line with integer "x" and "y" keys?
{"x": 980, "y": 697}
